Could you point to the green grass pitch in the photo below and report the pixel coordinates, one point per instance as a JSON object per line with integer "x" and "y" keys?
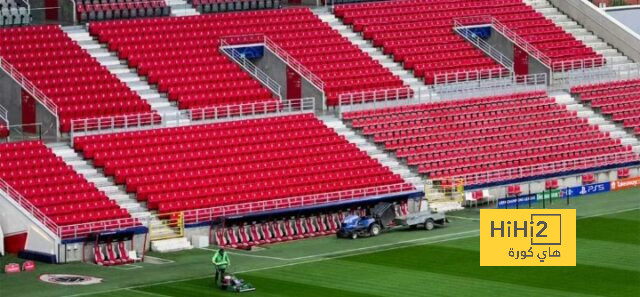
{"x": 442, "y": 262}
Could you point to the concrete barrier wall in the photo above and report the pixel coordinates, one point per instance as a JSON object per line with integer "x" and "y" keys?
{"x": 603, "y": 25}
{"x": 11, "y": 98}
{"x": 276, "y": 69}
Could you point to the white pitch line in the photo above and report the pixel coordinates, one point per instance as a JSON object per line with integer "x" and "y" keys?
{"x": 146, "y": 293}
{"x": 132, "y": 288}
{"x": 249, "y": 255}
{"x": 374, "y": 247}
{"x": 463, "y": 218}
{"x": 271, "y": 267}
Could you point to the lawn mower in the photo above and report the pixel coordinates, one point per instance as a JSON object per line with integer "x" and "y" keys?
{"x": 232, "y": 283}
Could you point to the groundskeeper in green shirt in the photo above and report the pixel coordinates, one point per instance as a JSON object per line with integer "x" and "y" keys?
{"x": 221, "y": 259}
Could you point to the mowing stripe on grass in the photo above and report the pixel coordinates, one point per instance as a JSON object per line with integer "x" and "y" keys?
{"x": 339, "y": 254}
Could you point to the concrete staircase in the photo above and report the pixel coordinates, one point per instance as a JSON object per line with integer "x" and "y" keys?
{"x": 181, "y": 8}
{"x": 548, "y": 10}
{"x": 366, "y": 46}
{"x": 373, "y": 151}
{"x": 158, "y": 101}
{"x": 103, "y": 183}
{"x": 171, "y": 245}
{"x": 615, "y": 130}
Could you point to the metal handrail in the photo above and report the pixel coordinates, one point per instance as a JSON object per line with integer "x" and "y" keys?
{"x": 596, "y": 75}
{"x": 540, "y": 169}
{"x": 445, "y": 91}
{"x": 84, "y": 229}
{"x": 473, "y": 38}
{"x": 4, "y": 115}
{"x": 28, "y": 206}
{"x": 294, "y": 64}
{"x": 144, "y": 121}
{"x": 28, "y": 86}
{"x": 251, "y": 68}
{"x": 521, "y": 42}
{"x": 209, "y": 214}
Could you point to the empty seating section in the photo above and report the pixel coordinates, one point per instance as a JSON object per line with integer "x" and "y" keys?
{"x": 90, "y": 10}
{"x": 207, "y": 6}
{"x": 619, "y": 99}
{"x": 13, "y": 13}
{"x": 509, "y": 133}
{"x": 420, "y": 33}
{"x": 53, "y": 187}
{"x": 68, "y": 75}
{"x": 235, "y": 162}
{"x": 193, "y": 72}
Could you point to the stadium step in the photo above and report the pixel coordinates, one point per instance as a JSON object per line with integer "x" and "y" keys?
{"x": 580, "y": 33}
{"x": 171, "y": 245}
{"x": 158, "y": 101}
{"x": 366, "y": 46}
{"x": 103, "y": 183}
{"x": 181, "y": 8}
{"x": 616, "y": 131}
{"x": 385, "y": 159}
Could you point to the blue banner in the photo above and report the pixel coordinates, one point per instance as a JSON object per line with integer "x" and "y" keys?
{"x": 586, "y": 190}
{"x": 513, "y": 201}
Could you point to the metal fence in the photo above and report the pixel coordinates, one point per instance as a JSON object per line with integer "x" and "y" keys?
{"x": 189, "y": 117}
{"x": 501, "y": 175}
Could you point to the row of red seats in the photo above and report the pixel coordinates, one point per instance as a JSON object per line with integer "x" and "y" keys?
{"x": 108, "y": 256}
{"x": 68, "y": 75}
{"x": 412, "y": 31}
{"x": 193, "y": 52}
{"x": 466, "y": 138}
{"x": 234, "y": 162}
{"x": 59, "y": 192}
{"x": 618, "y": 99}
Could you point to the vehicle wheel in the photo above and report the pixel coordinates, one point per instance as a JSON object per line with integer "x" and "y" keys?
{"x": 428, "y": 225}
{"x": 354, "y": 235}
{"x": 374, "y": 230}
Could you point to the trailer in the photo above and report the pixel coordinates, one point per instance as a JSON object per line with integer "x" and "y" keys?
{"x": 384, "y": 218}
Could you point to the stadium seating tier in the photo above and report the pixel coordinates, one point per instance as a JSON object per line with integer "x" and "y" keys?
{"x": 53, "y": 187}
{"x": 194, "y": 73}
{"x": 203, "y": 166}
{"x": 68, "y": 75}
{"x": 508, "y": 134}
{"x": 619, "y": 100}
{"x": 420, "y": 33}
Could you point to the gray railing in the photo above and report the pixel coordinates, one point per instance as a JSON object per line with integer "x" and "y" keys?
{"x": 499, "y": 175}
{"x": 474, "y": 39}
{"x": 29, "y": 87}
{"x": 154, "y": 120}
{"x": 596, "y": 75}
{"x": 248, "y": 66}
{"x": 445, "y": 91}
{"x": 4, "y": 116}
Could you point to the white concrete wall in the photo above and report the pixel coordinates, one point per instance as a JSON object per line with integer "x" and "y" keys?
{"x": 603, "y": 25}
{"x": 13, "y": 220}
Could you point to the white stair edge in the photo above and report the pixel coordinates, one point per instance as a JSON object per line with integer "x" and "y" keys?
{"x": 381, "y": 156}
{"x": 376, "y": 54}
{"x": 158, "y": 101}
{"x": 101, "y": 182}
